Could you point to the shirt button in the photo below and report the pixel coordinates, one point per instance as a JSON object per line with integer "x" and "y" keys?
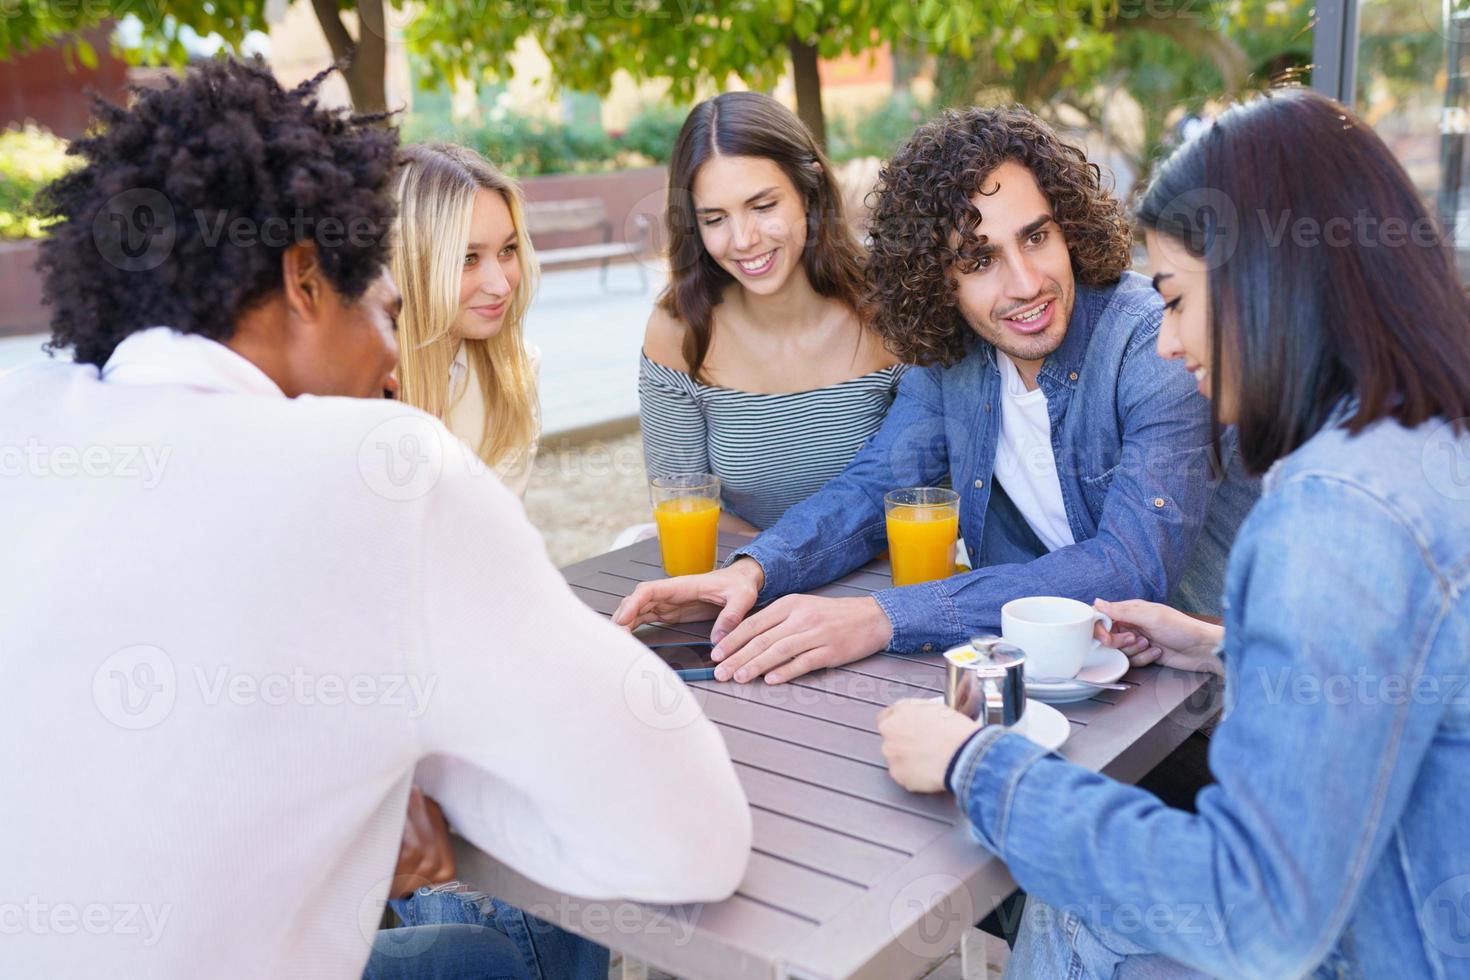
{"x": 979, "y": 484}
{"x": 987, "y": 407}
{"x": 1073, "y": 375}
{"x": 1158, "y": 501}
{"x": 928, "y": 647}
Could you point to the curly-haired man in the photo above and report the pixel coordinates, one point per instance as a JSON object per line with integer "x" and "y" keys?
{"x": 247, "y": 613}
{"x": 998, "y": 264}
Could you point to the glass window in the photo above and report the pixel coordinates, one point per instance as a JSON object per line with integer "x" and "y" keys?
{"x": 1411, "y": 86}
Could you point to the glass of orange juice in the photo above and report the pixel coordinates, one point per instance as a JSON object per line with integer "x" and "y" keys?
{"x": 923, "y": 525}
{"x": 686, "y": 508}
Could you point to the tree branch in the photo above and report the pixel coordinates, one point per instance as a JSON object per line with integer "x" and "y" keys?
{"x": 338, "y": 39}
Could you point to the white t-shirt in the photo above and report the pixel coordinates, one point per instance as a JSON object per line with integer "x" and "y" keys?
{"x": 238, "y": 625}
{"x": 1024, "y": 463}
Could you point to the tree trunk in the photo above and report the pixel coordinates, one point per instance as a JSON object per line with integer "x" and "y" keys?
{"x": 364, "y": 61}
{"x": 808, "y": 89}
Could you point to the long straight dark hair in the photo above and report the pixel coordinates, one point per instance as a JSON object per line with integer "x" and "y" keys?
{"x": 749, "y": 124}
{"x": 1328, "y": 277}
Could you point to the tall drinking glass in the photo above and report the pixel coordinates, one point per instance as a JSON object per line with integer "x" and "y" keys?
{"x": 923, "y": 525}
{"x": 686, "y": 508}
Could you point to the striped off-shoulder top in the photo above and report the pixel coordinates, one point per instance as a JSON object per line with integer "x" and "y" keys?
{"x": 769, "y": 451}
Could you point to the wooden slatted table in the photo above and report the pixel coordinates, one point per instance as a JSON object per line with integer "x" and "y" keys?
{"x": 850, "y": 875}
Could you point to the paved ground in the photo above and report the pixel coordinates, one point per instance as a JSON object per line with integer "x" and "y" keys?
{"x": 580, "y": 498}
{"x": 590, "y": 339}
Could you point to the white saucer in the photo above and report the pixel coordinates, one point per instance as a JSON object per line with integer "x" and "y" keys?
{"x": 1103, "y": 665}
{"x": 1043, "y": 724}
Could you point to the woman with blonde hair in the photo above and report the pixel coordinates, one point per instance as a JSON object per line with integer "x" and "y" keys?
{"x": 464, "y": 264}
{"x": 467, "y": 271}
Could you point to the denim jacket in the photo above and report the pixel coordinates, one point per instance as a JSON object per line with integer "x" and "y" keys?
{"x": 1334, "y": 843}
{"x": 1130, "y": 434}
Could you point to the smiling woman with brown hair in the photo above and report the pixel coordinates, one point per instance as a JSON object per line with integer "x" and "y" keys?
{"x": 757, "y": 366}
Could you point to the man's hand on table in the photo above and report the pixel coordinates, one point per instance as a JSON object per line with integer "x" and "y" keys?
{"x": 798, "y": 634}
{"x": 792, "y": 636}
{"x": 425, "y": 857}
{"x": 919, "y": 739}
{"x": 724, "y": 595}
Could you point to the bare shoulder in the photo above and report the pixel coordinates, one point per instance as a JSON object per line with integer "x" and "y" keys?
{"x": 872, "y": 353}
{"x": 663, "y": 339}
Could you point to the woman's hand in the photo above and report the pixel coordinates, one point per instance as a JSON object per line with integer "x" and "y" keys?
{"x": 919, "y": 739}
{"x": 1151, "y": 632}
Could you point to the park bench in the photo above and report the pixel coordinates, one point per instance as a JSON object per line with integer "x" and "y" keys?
{"x": 584, "y": 215}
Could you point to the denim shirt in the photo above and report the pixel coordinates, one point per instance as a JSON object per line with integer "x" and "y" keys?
{"x": 1334, "y": 843}
{"x": 1130, "y": 434}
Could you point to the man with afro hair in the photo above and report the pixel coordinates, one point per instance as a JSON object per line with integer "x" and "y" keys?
{"x": 249, "y": 602}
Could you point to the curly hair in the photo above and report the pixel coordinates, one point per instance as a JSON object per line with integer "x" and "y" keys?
{"x": 923, "y": 226}
{"x": 188, "y": 199}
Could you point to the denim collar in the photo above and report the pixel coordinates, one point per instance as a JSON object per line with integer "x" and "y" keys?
{"x": 1065, "y": 365}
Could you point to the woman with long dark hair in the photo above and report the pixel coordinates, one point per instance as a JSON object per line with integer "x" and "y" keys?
{"x": 756, "y": 364}
{"x": 1318, "y": 305}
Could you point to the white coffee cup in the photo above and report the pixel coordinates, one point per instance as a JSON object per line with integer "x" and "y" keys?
{"x": 1054, "y": 632}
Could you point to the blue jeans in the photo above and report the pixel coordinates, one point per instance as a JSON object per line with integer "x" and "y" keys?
{"x": 1057, "y": 945}
{"x": 457, "y": 935}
